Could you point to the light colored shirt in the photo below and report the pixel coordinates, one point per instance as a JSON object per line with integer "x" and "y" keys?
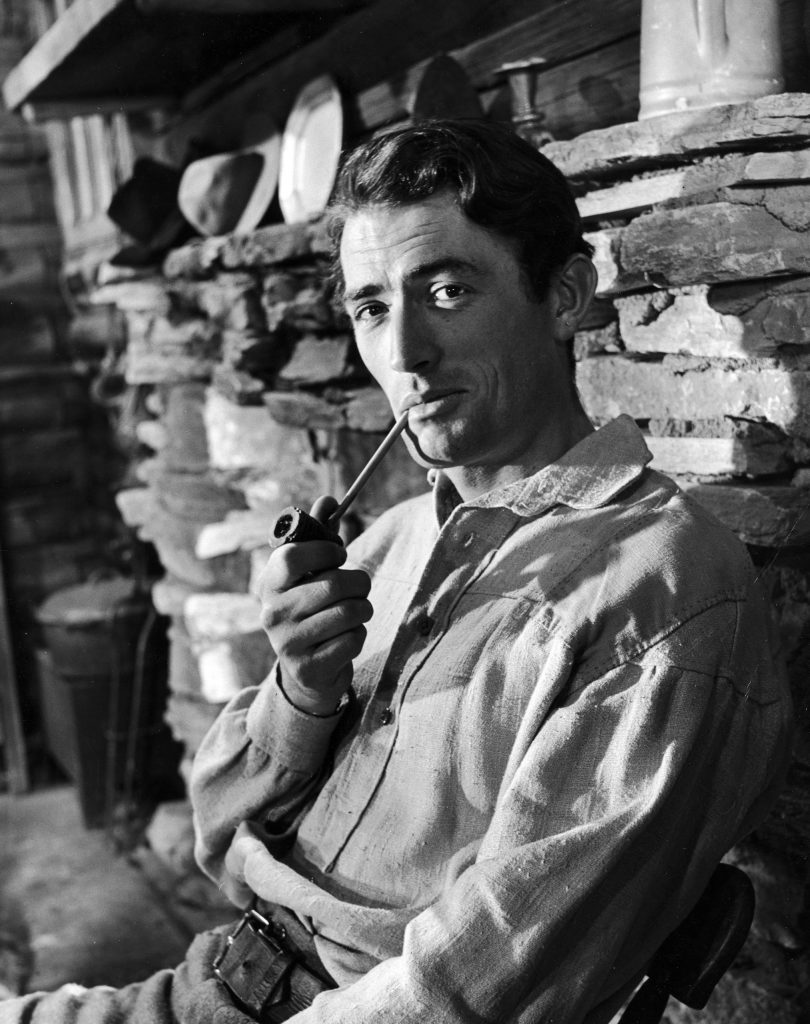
{"x": 569, "y": 706}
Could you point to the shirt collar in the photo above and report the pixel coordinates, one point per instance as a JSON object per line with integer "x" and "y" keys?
{"x": 589, "y": 475}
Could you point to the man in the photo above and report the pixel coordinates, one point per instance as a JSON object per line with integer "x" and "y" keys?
{"x": 513, "y": 728}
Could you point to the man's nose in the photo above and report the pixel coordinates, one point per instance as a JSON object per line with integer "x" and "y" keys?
{"x": 412, "y": 344}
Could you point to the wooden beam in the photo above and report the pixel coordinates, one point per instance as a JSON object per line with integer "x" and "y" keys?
{"x": 61, "y": 39}
{"x": 253, "y": 62}
{"x": 243, "y": 6}
{"x": 10, "y": 718}
{"x": 370, "y": 51}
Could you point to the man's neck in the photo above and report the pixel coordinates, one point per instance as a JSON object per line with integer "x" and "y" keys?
{"x": 473, "y": 481}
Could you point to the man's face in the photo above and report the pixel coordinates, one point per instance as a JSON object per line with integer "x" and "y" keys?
{"x": 445, "y": 323}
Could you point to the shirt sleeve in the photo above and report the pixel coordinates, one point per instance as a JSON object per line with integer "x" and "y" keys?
{"x": 261, "y": 761}
{"x": 603, "y": 839}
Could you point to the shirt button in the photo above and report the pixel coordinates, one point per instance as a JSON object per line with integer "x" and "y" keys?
{"x": 468, "y": 539}
{"x": 386, "y": 717}
{"x": 423, "y": 624}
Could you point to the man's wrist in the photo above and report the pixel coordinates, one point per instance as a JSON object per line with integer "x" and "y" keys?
{"x": 321, "y": 707}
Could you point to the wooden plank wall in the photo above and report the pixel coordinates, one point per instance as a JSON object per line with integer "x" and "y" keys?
{"x": 48, "y": 537}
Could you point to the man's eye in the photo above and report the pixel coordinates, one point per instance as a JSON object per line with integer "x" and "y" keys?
{"x": 448, "y": 292}
{"x": 370, "y": 311}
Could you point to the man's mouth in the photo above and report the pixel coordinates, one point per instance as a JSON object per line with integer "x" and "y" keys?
{"x": 430, "y": 403}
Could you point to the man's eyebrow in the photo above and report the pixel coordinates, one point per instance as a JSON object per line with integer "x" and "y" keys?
{"x": 443, "y": 265}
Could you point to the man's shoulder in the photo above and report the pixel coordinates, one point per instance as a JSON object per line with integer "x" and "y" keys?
{"x": 658, "y": 528}
{"x": 653, "y": 561}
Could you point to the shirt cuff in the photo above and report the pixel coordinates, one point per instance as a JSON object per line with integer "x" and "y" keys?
{"x": 289, "y": 735}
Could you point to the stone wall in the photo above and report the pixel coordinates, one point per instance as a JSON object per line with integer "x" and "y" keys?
{"x": 702, "y": 334}
{"x": 700, "y": 331}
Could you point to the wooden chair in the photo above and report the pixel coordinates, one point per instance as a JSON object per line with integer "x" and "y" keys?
{"x": 700, "y": 950}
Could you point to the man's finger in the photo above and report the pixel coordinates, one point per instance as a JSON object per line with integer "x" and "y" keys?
{"x": 292, "y": 564}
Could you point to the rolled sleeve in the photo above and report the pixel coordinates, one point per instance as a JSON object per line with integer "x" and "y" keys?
{"x": 261, "y": 761}
{"x": 293, "y": 738}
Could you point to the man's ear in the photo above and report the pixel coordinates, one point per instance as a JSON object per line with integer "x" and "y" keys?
{"x": 570, "y": 293}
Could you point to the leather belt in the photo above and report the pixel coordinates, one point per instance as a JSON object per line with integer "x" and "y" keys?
{"x": 265, "y": 972}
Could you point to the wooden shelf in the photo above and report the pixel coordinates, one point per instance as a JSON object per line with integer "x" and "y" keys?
{"x": 128, "y": 54}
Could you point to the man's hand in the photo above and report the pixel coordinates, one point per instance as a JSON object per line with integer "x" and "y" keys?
{"x": 314, "y": 613}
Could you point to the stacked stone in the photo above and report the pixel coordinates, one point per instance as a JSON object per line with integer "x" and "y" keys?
{"x": 701, "y": 226}
{"x": 258, "y": 401}
{"x": 172, "y": 348}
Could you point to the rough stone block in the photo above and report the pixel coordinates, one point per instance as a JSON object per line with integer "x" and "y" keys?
{"x": 260, "y": 355}
{"x": 175, "y": 540}
{"x": 766, "y": 516}
{"x": 194, "y": 496}
{"x": 144, "y": 296}
{"x": 184, "y": 672}
{"x": 246, "y": 437}
{"x": 714, "y": 456}
{"x": 145, "y": 366}
{"x": 231, "y": 648}
{"x": 274, "y": 244}
{"x": 197, "y": 259}
{"x": 304, "y": 410}
{"x": 137, "y": 505}
{"x": 298, "y": 299}
{"x": 768, "y": 122}
{"x": 169, "y": 595}
{"x": 597, "y": 340}
{"x": 683, "y": 388}
{"x": 364, "y": 409}
{"x": 233, "y": 301}
{"x": 239, "y": 531}
{"x": 187, "y": 333}
{"x": 367, "y": 410}
{"x": 227, "y": 666}
{"x": 152, "y": 434}
{"x": 186, "y": 447}
{"x": 319, "y": 243}
{"x": 167, "y": 350}
{"x": 704, "y": 244}
{"x": 318, "y": 360}
{"x": 732, "y": 320}
{"x": 237, "y": 386}
{"x": 694, "y": 183}
{"x": 221, "y": 615}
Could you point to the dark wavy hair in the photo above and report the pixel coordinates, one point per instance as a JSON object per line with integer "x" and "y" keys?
{"x": 501, "y": 182}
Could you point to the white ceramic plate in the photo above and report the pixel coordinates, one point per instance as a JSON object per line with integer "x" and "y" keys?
{"x": 310, "y": 151}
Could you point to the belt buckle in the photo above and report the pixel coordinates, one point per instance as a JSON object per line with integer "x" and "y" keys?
{"x": 253, "y": 965}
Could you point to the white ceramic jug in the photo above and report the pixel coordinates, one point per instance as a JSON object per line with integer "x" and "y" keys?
{"x": 702, "y": 53}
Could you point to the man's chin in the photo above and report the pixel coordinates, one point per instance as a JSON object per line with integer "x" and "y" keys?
{"x": 427, "y": 453}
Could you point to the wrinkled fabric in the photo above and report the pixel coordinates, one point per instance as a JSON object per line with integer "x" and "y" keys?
{"x": 569, "y": 705}
{"x": 188, "y": 995}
